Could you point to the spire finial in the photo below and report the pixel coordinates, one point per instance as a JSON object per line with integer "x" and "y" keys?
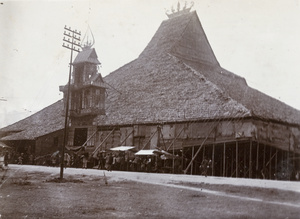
{"x": 179, "y": 11}
{"x": 88, "y": 40}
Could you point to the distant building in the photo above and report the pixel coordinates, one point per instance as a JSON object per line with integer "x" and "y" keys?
{"x": 175, "y": 96}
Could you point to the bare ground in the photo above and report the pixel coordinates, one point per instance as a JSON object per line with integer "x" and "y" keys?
{"x": 36, "y": 192}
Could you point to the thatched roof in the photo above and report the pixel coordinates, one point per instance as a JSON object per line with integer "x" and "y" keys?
{"x": 164, "y": 89}
{"x": 47, "y": 120}
{"x": 176, "y": 78}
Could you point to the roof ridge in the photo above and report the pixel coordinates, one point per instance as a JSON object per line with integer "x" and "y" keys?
{"x": 182, "y": 34}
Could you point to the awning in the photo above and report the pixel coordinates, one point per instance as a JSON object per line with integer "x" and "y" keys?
{"x": 122, "y": 148}
{"x": 74, "y": 148}
{"x": 148, "y": 152}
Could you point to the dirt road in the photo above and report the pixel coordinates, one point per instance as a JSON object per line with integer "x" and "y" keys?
{"x": 35, "y": 192}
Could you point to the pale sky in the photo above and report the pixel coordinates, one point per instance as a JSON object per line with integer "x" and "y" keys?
{"x": 258, "y": 40}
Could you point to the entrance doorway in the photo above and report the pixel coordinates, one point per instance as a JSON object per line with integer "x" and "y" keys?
{"x": 80, "y": 136}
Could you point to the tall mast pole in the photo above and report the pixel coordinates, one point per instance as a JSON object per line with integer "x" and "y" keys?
{"x": 72, "y": 38}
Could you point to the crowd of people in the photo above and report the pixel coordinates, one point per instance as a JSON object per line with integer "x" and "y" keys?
{"x": 126, "y": 161}
{"x": 120, "y": 160}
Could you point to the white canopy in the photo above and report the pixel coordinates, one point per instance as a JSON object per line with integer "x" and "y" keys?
{"x": 122, "y": 148}
{"x": 148, "y": 152}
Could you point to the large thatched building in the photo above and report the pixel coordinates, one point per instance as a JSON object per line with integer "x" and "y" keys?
{"x": 174, "y": 96}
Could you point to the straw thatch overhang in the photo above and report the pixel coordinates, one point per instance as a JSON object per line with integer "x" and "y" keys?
{"x": 47, "y": 120}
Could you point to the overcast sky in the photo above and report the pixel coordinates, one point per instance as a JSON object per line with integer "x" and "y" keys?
{"x": 258, "y": 40}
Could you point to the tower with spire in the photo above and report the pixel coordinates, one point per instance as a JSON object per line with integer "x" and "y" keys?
{"x": 87, "y": 88}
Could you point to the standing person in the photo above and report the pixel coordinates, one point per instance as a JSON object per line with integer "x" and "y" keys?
{"x": 6, "y": 159}
{"x": 85, "y": 157}
{"x": 122, "y": 162}
{"x": 118, "y": 161}
{"x": 20, "y": 159}
{"x": 149, "y": 164}
{"x": 66, "y": 160}
{"x": 108, "y": 162}
{"x": 204, "y": 166}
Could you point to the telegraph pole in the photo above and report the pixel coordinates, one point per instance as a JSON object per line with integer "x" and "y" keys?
{"x": 72, "y": 39}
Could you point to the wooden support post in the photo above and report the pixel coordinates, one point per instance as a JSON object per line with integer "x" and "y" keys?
{"x": 244, "y": 163}
{"x": 250, "y": 160}
{"x": 264, "y": 156}
{"x": 236, "y": 159}
{"x": 192, "y": 165}
{"x": 197, "y": 152}
{"x": 175, "y": 138}
{"x": 231, "y": 170}
{"x": 224, "y": 159}
{"x": 287, "y": 161}
{"x": 276, "y": 163}
{"x": 270, "y": 164}
{"x": 100, "y": 145}
{"x": 213, "y": 161}
{"x": 127, "y": 137}
{"x": 257, "y": 160}
{"x": 182, "y": 160}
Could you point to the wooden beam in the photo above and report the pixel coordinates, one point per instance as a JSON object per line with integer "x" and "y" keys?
{"x": 89, "y": 138}
{"x": 276, "y": 163}
{"x": 213, "y": 161}
{"x": 250, "y": 160}
{"x": 270, "y": 162}
{"x": 194, "y": 157}
{"x": 264, "y": 156}
{"x": 236, "y": 159}
{"x": 224, "y": 159}
{"x": 126, "y": 137}
{"x": 98, "y": 147}
{"x": 192, "y": 165}
{"x": 175, "y": 139}
{"x": 257, "y": 160}
{"x": 245, "y": 159}
{"x": 149, "y": 139}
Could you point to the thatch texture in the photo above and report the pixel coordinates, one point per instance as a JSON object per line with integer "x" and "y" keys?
{"x": 163, "y": 88}
{"x": 47, "y": 120}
